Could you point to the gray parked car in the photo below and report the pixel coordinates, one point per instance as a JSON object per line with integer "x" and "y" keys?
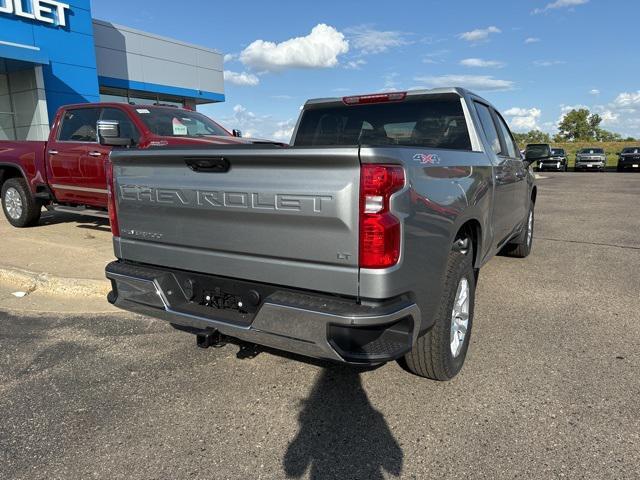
{"x": 591, "y": 158}
{"x": 360, "y": 243}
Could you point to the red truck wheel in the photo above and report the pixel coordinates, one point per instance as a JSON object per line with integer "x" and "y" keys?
{"x": 19, "y": 206}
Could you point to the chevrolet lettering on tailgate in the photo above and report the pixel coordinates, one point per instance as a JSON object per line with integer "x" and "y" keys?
{"x": 221, "y": 199}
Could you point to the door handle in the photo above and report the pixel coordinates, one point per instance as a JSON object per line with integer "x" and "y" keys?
{"x": 94, "y": 154}
{"x": 208, "y": 165}
{"x": 53, "y": 152}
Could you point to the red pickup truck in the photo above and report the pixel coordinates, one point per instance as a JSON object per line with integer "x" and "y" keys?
{"x": 67, "y": 172}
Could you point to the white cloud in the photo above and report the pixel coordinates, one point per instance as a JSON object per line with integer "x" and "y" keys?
{"x": 284, "y": 131}
{"x": 628, "y": 100}
{"x": 594, "y": 91}
{"x": 320, "y": 49}
{"x": 548, "y": 63}
{"x": 229, "y": 57}
{"x": 559, "y": 4}
{"x": 480, "y": 63}
{"x": 609, "y": 117}
{"x": 472, "y": 82}
{"x": 259, "y": 126}
{"x": 479, "y": 34}
{"x": 370, "y": 41}
{"x": 523, "y": 119}
{"x": 355, "y": 64}
{"x": 530, "y": 40}
{"x": 243, "y": 78}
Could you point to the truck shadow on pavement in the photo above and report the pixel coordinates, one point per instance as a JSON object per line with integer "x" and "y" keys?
{"x": 92, "y": 223}
{"x": 341, "y": 434}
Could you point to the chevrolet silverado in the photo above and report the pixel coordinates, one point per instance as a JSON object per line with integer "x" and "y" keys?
{"x": 629, "y": 158}
{"x": 359, "y": 243}
{"x": 591, "y": 159}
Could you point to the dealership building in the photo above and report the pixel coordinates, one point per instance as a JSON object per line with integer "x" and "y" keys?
{"x": 53, "y": 53}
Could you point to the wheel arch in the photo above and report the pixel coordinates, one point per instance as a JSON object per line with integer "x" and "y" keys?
{"x": 8, "y": 170}
{"x": 472, "y": 229}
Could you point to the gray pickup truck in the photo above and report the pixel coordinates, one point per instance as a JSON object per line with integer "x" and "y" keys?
{"x": 361, "y": 242}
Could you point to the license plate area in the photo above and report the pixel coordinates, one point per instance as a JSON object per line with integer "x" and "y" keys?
{"x": 216, "y": 298}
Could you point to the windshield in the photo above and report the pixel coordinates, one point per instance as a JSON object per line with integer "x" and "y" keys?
{"x": 631, "y": 150}
{"x": 437, "y": 123}
{"x": 557, "y": 152}
{"x": 176, "y": 122}
{"x": 592, "y": 151}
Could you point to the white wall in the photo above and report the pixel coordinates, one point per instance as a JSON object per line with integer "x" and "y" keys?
{"x": 22, "y": 93}
{"x": 130, "y": 54}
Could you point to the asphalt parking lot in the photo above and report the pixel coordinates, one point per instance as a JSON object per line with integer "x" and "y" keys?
{"x": 550, "y": 388}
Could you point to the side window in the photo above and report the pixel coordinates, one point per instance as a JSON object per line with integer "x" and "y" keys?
{"x": 79, "y": 125}
{"x": 127, "y": 128}
{"x": 489, "y": 127}
{"x": 508, "y": 139}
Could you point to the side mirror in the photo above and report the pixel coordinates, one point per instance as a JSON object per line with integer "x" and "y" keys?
{"x": 535, "y": 153}
{"x": 237, "y": 133}
{"x": 109, "y": 134}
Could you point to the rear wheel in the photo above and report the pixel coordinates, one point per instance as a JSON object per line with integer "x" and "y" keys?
{"x": 440, "y": 353}
{"x": 521, "y": 248}
{"x": 19, "y": 206}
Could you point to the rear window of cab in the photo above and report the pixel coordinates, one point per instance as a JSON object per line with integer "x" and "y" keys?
{"x": 437, "y": 123}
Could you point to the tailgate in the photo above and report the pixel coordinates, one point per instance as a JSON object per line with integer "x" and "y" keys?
{"x": 286, "y": 216}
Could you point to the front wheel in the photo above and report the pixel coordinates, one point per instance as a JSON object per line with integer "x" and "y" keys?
{"x": 440, "y": 353}
{"x": 19, "y": 206}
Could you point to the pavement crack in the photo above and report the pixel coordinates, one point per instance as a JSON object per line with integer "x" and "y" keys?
{"x": 626, "y": 247}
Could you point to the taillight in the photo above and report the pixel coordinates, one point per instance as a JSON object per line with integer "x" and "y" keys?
{"x": 379, "y": 229}
{"x": 111, "y": 199}
{"x": 374, "y": 98}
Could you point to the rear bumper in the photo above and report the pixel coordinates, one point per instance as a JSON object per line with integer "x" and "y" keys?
{"x": 311, "y": 324}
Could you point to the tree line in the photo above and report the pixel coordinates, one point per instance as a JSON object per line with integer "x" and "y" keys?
{"x": 579, "y": 125}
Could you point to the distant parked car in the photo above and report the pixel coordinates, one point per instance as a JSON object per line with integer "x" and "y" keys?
{"x": 535, "y": 147}
{"x": 557, "y": 162}
{"x": 629, "y": 158}
{"x": 591, "y": 159}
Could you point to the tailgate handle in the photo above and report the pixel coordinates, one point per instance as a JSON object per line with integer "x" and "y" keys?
{"x": 208, "y": 165}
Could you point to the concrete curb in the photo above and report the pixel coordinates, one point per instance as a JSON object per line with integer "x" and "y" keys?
{"x": 53, "y": 285}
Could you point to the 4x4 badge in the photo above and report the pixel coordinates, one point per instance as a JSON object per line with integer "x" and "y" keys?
{"x": 427, "y": 158}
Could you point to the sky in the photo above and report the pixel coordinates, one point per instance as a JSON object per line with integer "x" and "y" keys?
{"x": 533, "y": 59}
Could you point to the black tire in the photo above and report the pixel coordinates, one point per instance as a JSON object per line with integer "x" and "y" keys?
{"x": 30, "y": 208}
{"x": 521, "y": 247}
{"x": 619, "y": 168}
{"x": 431, "y": 356}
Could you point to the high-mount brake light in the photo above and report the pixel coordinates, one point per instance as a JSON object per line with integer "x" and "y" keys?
{"x": 111, "y": 199}
{"x": 374, "y": 98}
{"x": 379, "y": 230}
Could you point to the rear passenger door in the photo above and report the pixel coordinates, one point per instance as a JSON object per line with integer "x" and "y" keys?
{"x": 65, "y": 154}
{"x": 511, "y": 153}
{"x": 504, "y": 178}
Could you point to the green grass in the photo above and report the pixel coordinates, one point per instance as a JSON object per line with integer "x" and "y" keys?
{"x": 611, "y": 149}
